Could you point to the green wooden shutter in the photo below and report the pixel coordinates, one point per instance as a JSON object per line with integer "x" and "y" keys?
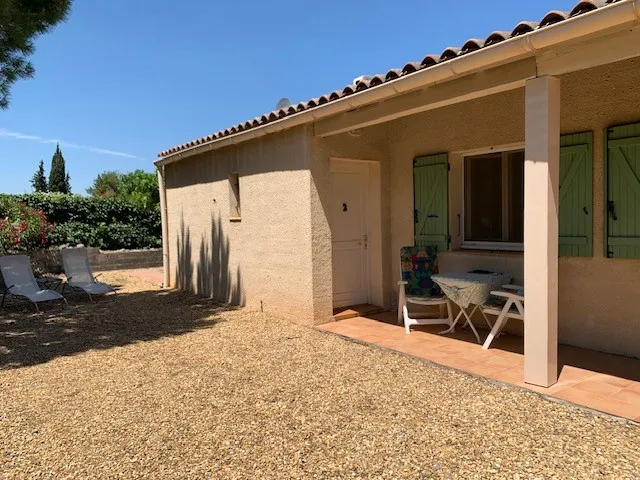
{"x": 431, "y": 214}
{"x": 575, "y": 216}
{"x": 623, "y": 192}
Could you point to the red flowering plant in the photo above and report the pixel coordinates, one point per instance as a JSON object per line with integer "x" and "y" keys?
{"x": 22, "y": 228}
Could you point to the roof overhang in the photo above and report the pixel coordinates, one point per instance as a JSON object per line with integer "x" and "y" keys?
{"x": 610, "y": 21}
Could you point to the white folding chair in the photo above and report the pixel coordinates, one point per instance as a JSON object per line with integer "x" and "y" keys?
{"x": 21, "y": 283}
{"x": 75, "y": 262}
{"x": 513, "y": 307}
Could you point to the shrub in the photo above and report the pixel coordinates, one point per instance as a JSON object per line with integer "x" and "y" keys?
{"x": 103, "y": 223}
{"x": 22, "y": 227}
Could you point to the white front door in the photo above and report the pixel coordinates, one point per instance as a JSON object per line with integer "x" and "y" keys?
{"x": 349, "y": 215}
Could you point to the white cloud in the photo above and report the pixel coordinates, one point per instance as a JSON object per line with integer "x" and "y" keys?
{"x": 23, "y": 136}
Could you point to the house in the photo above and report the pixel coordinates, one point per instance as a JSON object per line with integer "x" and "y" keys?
{"x": 518, "y": 153}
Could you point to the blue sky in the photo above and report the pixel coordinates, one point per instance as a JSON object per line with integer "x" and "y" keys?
{"x": 123, "y": 80}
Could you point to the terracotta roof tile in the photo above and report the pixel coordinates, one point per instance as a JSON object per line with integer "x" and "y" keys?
{"x": 470, "y": 46}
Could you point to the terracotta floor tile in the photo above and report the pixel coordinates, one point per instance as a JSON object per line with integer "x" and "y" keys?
{"x": 568, "y": 372}
{"x": 616, "y": 407}
{"x": 513, "y": 374}
{"x": 560, "y": 385}
{"x": 454, "y": 361}
{"x": 595, "y": 386}
{"x": 504, "y": 362}
{"x": 628, "y": 396}
{"x": 484, "y": 370}
{"x": 449, "y": 349}
{"x": 634, "y": 387}
{"x": 581, "y": 397}
{"x": 613, "y": 380}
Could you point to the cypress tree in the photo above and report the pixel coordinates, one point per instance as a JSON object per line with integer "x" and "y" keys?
{"x": 39, "y": 181}
{"x": 58, "y": 178}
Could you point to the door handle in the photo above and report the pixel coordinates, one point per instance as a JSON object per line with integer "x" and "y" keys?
{"x": 365, "y": 239}
{"x": 432, "y": 216}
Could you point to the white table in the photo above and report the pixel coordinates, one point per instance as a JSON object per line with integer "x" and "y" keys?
{"x": 469, "y": 290}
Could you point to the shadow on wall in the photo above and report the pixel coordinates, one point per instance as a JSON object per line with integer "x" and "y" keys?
{"x": 210, "y": 276}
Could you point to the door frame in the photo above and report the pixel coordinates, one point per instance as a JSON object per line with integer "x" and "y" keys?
{"x": 373, "y": 209}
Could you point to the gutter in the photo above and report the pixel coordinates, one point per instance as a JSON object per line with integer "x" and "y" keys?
{"x": 619, "y": 15}
{"x": 166, "y": 281}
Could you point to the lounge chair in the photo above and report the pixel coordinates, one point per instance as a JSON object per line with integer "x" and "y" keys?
{"x": 75, "y": 262}
{"x": 505, "y": 305}
{"x": 21, "y": 283}
{"x": 417, "y": 264}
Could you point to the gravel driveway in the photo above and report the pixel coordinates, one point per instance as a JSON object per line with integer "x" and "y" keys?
{"x": 164, "y": 385}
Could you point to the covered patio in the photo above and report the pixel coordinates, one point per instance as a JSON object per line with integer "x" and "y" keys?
{"x": 520, "y": 169}
{"x": 594, "y": 380}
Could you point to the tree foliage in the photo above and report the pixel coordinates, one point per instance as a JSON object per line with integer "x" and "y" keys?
{"x": 105, "y": 185}
{"x": 59, "y": 180}
{"x": 21, "y": 21}
{"x": 138, "y": 187}
{"x": 39, "y": 180}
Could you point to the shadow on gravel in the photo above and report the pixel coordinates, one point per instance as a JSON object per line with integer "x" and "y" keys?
{"x": 27, "y": 338}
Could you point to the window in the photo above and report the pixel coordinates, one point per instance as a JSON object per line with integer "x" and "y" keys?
{"x": 234, "y": 196}
{"x": 494, "y": 200}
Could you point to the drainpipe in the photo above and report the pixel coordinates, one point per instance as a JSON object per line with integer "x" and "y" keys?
{"x": 166, "y": 282}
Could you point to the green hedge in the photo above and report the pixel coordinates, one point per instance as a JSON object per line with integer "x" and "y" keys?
{"x": 95, "y": 222}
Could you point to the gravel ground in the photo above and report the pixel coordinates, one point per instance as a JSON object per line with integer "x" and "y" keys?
{"x": 164, "y": 385}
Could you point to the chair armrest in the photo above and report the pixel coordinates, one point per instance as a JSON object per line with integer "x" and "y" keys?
{"x": 507, "y": 295}
{"x": 95, "y": 278}
{"x": 6, "y": 289}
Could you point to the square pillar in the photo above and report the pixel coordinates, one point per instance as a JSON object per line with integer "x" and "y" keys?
{"x": 541, "y": 180}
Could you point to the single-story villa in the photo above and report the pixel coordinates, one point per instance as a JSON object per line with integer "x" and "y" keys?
{"x": 518, "y": 153}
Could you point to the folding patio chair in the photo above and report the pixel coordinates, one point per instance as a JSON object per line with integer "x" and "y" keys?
{"x": 21, "y": 283}
{"x": 505, "y": 305}
{"x": 75, "y": 262}
{"x": 417, "y": 264}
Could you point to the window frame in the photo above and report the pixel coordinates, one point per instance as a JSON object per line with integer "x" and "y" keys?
{"x": 487, "y": 245}
{"x": 234, "y": 197}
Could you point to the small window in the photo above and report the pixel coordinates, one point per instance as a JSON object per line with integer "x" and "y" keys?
{"x": 234, "y": 196}
{"x": 494, "y": 200}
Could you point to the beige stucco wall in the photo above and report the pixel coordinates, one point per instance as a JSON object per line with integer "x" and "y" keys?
{"x": 262, "y": 260}
{"x": 597, "y": 295}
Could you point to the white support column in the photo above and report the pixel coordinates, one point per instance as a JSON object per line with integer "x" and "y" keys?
{"x": 166, "y": 278}
{"x": 541, "y": 180}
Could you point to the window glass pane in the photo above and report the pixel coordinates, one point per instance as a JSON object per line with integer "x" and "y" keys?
{"x": 516, "y": 196}
{"x": 483, "y": 198}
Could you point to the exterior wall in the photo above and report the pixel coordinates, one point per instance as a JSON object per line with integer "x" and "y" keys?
{"x": 597, "y": 307}
{"x": 262, "y": 260}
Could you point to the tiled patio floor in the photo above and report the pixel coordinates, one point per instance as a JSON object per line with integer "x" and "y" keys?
{"x": 596, "y": 380}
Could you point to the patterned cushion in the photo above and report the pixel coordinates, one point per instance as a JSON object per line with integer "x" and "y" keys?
{"x": 417, "y": 264}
